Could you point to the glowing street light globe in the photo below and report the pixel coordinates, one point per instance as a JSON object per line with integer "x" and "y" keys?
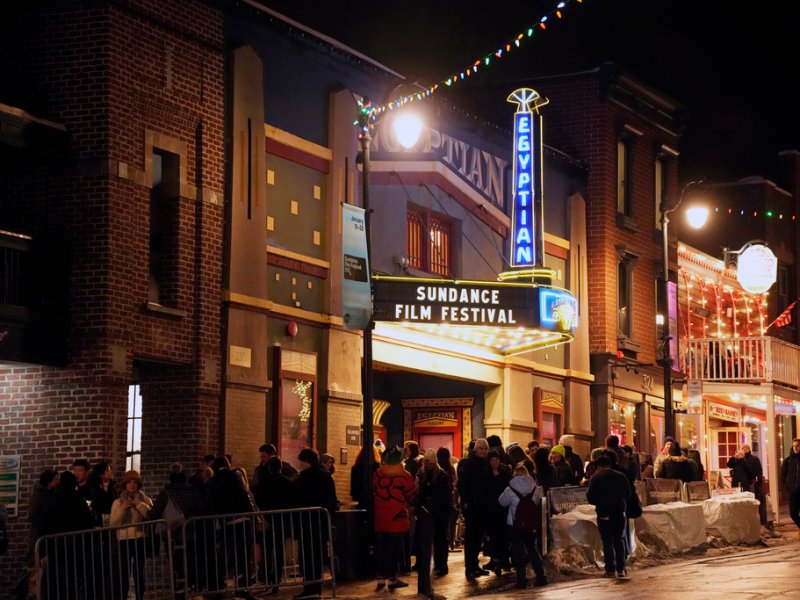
{"x": 407, "y": 127}
{"x": 697, "y": 216}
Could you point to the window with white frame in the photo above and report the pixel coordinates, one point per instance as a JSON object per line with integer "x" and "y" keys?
{"x": 133, "y": 449}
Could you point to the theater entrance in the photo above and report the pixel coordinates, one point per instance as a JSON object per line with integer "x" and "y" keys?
{"x": 437, "y": 422}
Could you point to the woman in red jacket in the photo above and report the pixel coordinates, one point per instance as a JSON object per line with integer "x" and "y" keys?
{"x": 394, "y": 491}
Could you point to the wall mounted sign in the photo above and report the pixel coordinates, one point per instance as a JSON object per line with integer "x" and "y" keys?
{"x": 527, "y": 234}
{"x": 757, "y": 269}
{"x": 9, "y": 483}
{"x": 723, "y": 412}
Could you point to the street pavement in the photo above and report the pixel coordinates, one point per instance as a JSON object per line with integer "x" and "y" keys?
{"x": 766, "y": 571}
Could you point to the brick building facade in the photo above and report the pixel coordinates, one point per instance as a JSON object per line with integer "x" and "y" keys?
{"x": 128, "y": 97}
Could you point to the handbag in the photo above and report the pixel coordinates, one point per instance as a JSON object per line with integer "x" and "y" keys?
{"x": 173, "y": 515}
{"x": 634, "y": 506}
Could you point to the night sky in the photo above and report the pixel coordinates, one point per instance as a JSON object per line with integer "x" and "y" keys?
{"x": 733, "y": 65}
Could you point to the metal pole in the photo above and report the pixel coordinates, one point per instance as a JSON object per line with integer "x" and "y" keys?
{"x": 669, "y": 416}
{"x": 366, "y": 442}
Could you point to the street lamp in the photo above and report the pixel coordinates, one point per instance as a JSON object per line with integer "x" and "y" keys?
{"x": 407, "y": 128}
{"x": 697, "y": 217}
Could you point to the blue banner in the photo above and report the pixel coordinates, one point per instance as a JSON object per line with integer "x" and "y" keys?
{"x": 356, "y": 291}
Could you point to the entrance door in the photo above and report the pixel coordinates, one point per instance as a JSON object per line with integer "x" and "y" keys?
{"x": 725, "y": 441}
{"x": 436, "y": 440}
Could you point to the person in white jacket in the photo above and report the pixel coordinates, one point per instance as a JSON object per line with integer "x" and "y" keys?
{"x": 524, "y": 548}
{"x": 131, "y": 508}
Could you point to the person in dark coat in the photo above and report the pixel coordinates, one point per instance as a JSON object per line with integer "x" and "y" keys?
{"x": 518, "y": 455}
{"x": 610, "y": 492}
{"x": 756, "y": 482}
{"x": 359, "y": 491}
{"x": 564, "y": 473}
{"x": 573, "y": 460}
{"x": 280, "y": 496}
{"x": 313, "y": 487}
{"x": 103, "y": 491}
{"x": 473, "y": 480}
{"x": 228, "y": 495}
{"x": 65, "y": 510}
{"x": 193, "y": 502}
{"x": 695, "y": 456}
{"x": 676, "y": 465}
{"x": 544, "y": 472}
{"x": 432, "y": 507}
{"x": 496, "y": 529}
{"x": 790, "y": 480}
{"x": 740, "y": 472}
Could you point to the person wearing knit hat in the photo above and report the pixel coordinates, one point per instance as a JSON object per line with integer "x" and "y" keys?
{"x": 430, "y": 456}
{"x": 564, "y": 475}
{"x": 394, "y": 491}
{"x": 131, "y": 508}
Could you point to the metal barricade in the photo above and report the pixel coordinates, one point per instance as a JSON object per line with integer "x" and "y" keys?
{"x": 255, "y": 551}
{"x": 105, "y": 563}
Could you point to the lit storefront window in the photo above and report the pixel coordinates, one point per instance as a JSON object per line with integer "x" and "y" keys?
{"x": 622, "y": 422}
{"x": 296, "y": 418}
{"x": 687, "y": 430}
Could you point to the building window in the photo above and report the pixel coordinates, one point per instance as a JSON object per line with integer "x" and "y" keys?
{"x": 623, "y": 177}
{"x": 625, "y": 296}
{"x": 661, "y": 187}
{"x": 164, "y": 193}
{"x": 429, "y": 243}
{"x": 133, "y": 452}
{"x": 783, "y": 287}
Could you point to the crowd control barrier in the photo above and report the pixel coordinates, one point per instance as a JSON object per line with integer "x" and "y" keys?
{"x": 254, "y": 551}
{"x": 214, "y": 554}
{"x": 107, "y": 562}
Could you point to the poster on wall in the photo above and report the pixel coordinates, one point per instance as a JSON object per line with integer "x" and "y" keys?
{"x": 9, "y": 483}
{"x": 356, "y": 292}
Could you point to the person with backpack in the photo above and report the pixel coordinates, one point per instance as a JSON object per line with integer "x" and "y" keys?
{"x": 523, "y": 499}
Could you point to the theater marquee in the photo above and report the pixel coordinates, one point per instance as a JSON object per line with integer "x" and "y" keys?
{"x": 532, "y": 314}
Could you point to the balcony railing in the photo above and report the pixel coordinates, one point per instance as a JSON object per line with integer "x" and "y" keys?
{"x": 743, "y": 360}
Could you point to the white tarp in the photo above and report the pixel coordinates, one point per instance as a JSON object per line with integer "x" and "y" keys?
{"x": 679, "y": 526}
{"x": 733, "y": 518}
{"x": 579, "y": 526}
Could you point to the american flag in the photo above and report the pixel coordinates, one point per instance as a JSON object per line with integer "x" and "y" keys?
{"x": 785, "y": 317}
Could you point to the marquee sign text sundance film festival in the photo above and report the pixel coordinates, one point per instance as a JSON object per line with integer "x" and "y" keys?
{"x": 527, "y": 211}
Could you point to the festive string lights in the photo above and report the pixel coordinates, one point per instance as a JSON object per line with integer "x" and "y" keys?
{"x": 486, "y": 61}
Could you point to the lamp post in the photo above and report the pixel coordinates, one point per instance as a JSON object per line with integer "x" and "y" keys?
{"x": 698, "y": 220}
{"x": 408, "y": 130}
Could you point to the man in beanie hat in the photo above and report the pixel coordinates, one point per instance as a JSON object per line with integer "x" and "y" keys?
{"x": 394, "y": 490}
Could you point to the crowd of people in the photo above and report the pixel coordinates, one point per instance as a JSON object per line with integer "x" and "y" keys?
{"x": 420, "y": 503}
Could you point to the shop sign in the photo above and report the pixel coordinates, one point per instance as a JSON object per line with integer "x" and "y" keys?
{"x": 352, "y": 435}
{"x": 694, "y": 401}
{"x": 559, "y": 310}
{"x": 757, "y": 269}
{"x": 723, "y": 412}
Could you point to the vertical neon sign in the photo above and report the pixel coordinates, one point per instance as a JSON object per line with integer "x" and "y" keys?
{"x": 527, "y": 237}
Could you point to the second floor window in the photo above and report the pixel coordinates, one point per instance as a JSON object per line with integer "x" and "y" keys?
{"x": 429, "y": 238}
{"x": 623, "y": 177}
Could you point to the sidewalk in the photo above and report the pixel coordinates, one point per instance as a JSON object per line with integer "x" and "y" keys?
{"x": 455, "y": 586}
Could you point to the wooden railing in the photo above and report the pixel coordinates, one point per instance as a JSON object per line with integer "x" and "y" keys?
{"x": 750, "y": 359}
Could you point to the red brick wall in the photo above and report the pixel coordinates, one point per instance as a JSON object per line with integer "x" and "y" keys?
{"x": 578, "y": 122}
{"x": 109, "y": 72}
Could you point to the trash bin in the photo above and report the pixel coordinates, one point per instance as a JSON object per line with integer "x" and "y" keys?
{"x": 353, "y": 546}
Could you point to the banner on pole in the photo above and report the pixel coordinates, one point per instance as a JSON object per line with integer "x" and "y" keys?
{"x": 356, "y": 290}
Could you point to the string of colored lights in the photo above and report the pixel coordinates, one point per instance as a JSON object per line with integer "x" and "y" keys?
{"x": 368, "y": 112}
